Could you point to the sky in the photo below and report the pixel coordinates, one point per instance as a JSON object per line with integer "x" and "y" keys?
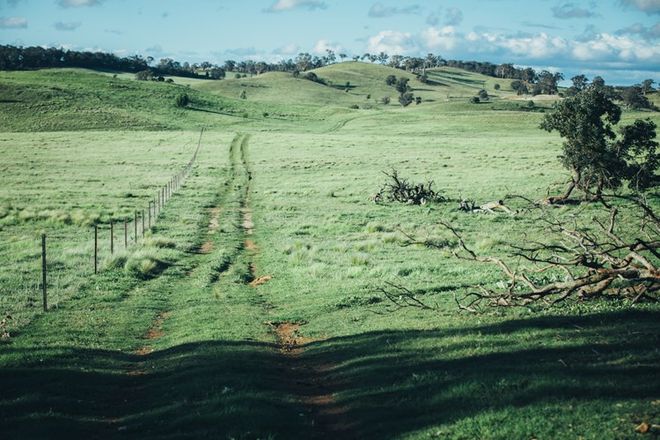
{"x": 616, "y": 39}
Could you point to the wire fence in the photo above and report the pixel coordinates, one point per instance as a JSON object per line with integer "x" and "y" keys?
{"x": 109, "y": 237}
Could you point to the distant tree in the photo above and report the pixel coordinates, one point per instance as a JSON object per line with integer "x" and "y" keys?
{"x": 390, "y": 80}
{"x": 496, "y": 86}
{"x": 633, "y": 97}
{"x": 383, "y": 57}
{"x": 144, "y": 75}
{"x": 217, "y": 72}
{"x": 330, "y": 57}
{"x": 303, "y": 61}
{"x": 474, "y": 100}
{"x": 597, "y": 159}
{"x": 229, "y": 66}
{"x": 182, "y": 100}
{"x": 519, "y": 87}
{"x": 385, "y": 100}
{"x": 402, "y": 86}
{"x": 342, "y": 56}
{"x": 647, "y": 86}
{"x": 418, "y": 100}
{"x": 548, "y": 82}
{"x": 483, "y": 95}
{"x": 243, "y": 94}
{"x": 406, "y": 99}
{"x": 580, "y": 82}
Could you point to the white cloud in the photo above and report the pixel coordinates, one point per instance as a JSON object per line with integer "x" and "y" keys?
{"x": 392, "y": 42}
{"x": 648, "y": 6}
{"x": 287, "y": 5}
{"x": 322, "y": 46}
{"x": 444, "y": 38}
{"x": 13, "y": 23}
{"x": 78, "y": 3}
{"x": 623, "y": 48}
{"x": 536, "y": 46}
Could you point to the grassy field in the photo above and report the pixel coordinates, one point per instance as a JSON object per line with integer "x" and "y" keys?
{"x": 252, "y": 309}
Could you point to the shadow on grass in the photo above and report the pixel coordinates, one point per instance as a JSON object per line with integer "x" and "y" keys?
{"x": 388, "y": 383}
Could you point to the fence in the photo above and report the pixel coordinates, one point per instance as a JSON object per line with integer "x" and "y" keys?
{"x": 143, "y": 220}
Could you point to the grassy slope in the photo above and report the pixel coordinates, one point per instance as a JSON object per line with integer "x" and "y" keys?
{"x": 579, "y": 371}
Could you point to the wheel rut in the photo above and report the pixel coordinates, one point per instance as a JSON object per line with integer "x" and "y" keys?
{"x": 306, "y": 380}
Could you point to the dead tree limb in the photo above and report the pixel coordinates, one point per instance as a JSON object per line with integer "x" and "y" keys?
{"x": 577, "y": 263}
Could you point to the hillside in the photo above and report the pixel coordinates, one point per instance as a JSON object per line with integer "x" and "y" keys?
{"x": 77, "y": 99}
{"x": 354, "y": 83}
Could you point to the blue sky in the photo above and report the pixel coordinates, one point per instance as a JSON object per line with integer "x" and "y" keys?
{"x": 617, "y": 39}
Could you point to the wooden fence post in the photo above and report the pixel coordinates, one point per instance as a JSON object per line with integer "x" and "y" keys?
{"x": 44, "y": 285}
{"x": 112, "y": 237}
{"x": 96, "y": 248}
{"x": 143, "y": 222}
{"x": 125, "y": 234}
{"x": 149, "y": 214}
{"x": 135, "y": 226}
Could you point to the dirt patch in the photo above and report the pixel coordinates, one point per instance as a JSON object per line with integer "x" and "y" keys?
{"x": 154, "y": 332}
{"x": 251, "y": 246}
{"x": 260, "y": 280}
{"x": 206, "y": 248}
{"x": 288, "y": 336}
{"x": 214, "y": 223}
{"x": 248, "y": 224}
{"x": 312, "y": 383}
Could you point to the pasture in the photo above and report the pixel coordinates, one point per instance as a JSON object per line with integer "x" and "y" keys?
{"x": 252, "y": 308}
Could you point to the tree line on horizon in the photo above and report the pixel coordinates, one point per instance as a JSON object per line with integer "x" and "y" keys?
{"x": 526, "y": 80}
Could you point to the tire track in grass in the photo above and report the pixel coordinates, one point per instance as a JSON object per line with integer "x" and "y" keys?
{"x": 306, "y": 380}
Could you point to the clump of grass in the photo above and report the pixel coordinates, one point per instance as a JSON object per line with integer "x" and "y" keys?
{"x": 158, "y": 241}
{"x": 117, "y": 261}
{"x": 360, "y": 260}
{"x": 145, "y": 264}
{"x": 376, "y": 227}
{"x": 356, "y": 301}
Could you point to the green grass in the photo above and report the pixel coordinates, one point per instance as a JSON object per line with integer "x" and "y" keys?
{"x": 169, "y": 340}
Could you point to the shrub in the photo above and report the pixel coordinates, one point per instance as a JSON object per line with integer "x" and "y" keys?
{"x": 474, "y": 100}
{"x": 182, "y": 100}
{"x": 399, "y": 189}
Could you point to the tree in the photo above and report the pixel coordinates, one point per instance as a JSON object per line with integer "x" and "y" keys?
{"x": 647, "y": 86}
{"x": 579, "y": 83}
{"x": 405, "y": 99}
{"x": 519, "y": 87}
{"x": 144, "y": 75}
{"x": 385, "y": 100}
{"x": 483, "y": 95}
{"x": 633, "y": 97}
{"x": 243, "y": 94}
{"x": 390, "y": 80}
{"x": 496, "y": 86}
{"x": 182, "y": 100}
{"x": 597, "y": 159}
{"x": 402, "y": 85}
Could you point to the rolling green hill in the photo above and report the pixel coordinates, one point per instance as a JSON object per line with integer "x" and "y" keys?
{"x": 79, "y": 99}
{"x": 355, "y": 83}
